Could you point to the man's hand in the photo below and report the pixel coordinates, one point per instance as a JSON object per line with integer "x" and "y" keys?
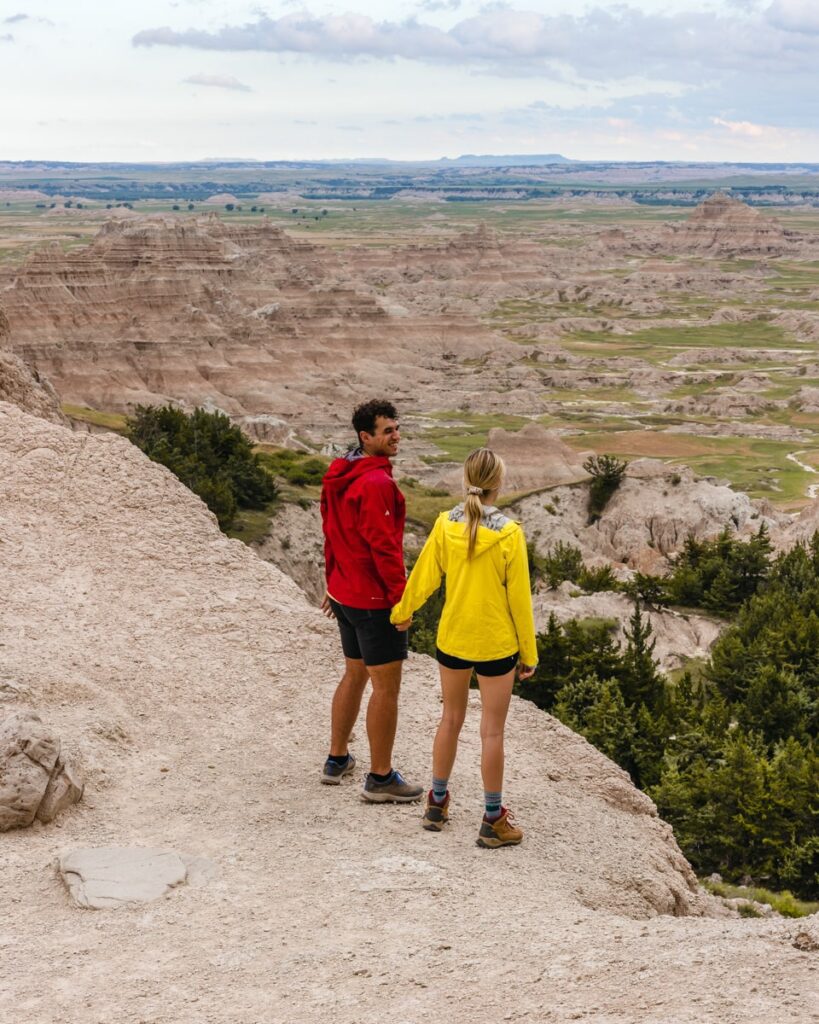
{"x": 326, "y": 607}
{"x": 525, "y": 671}
{"x": 402, "y": 627}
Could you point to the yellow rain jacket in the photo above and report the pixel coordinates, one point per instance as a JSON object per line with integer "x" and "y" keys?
{"x": 488, "y": 609}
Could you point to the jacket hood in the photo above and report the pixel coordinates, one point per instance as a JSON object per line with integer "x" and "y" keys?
{"x": 342, "y": 472}
{"x": 500, "y": 527}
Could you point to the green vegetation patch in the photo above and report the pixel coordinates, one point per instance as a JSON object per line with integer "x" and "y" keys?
{"x": 784, "y": 903}
{"x": 97, "y": 417}
{"x": 469, "y": 432}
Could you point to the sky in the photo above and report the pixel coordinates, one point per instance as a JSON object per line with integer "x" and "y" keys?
{"x": 167, "y": 80}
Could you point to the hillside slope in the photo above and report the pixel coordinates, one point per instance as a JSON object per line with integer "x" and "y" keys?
{"x": 194, "y": 681}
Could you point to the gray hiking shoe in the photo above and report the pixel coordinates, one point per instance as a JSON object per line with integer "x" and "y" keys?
{"x": 333, "y": 773}
{"x": 395, "y": 791}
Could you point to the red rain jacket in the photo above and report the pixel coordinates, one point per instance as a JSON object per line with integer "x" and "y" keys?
{"x": 362, "y": 512}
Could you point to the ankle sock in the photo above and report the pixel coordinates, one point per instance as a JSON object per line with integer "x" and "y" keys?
{"x": 340, "y": 759}
{"x": 382, "y": 778}
{"x": 439, "y": 789}
{"x": 493, "y": 805}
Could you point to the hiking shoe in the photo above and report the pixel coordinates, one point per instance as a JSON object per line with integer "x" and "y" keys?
{"x": 436, "y": 815}
{"x": 333, "y": 773}
{"x": 500, "y": 832}
{"x": 396, "y": 790}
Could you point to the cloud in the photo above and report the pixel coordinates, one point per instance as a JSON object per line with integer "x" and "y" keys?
{"x": 218, "y": 82}
{"x": 746, "y": 128}
{"x": 599, "y": 45}
{"x": 15, "y": 18}
{"x": 439, "y": 5}
{"x": 7, "y": 38}
{"x": 800, "y": 16}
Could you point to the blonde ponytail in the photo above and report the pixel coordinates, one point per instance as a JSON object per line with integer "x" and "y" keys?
{"x": 483, "y": 473}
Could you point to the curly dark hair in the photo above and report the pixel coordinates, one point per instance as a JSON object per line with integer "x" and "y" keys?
{"x": 365, "y": 415}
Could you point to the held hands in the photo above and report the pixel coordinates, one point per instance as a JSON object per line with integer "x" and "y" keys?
{"x": 402, "y": 627}
{"x": 525, "y": 671}
{"x": 326, "y": 608}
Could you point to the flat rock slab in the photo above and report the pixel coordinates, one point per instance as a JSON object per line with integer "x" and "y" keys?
{"x": 107, "y": 877}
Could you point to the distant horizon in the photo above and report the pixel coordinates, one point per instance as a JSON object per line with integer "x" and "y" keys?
{"x": 504, "y": 159}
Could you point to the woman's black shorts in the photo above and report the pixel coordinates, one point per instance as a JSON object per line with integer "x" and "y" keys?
{"x": 498, "y": 667}
{"x": 368, "y": 635}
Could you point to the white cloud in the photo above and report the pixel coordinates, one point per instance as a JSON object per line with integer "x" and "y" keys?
{"x": 599, "y": 45}
{"x": 218, "y": 82}
{"x": 7, "y": 38}
{"x": 746, "y": 128}
{"x": 801, "y": 16}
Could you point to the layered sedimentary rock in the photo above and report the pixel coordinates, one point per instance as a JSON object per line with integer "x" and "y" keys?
{"x": 241, "y": 318}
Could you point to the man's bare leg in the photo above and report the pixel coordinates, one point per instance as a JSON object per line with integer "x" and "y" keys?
{"x": 347, "y": 704}
{"x": 382, "y": 714}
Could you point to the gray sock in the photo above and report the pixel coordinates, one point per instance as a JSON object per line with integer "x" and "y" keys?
{"x": 493, "y": 805}
{"x": 439, "y": 789}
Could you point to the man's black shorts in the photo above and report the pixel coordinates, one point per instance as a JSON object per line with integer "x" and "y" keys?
{"x": 368, "y": 634}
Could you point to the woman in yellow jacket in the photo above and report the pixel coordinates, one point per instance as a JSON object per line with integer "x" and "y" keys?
{"x": 487, "y": 624}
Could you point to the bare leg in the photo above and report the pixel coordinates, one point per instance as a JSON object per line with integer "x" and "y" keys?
{"x": 346, "y": 705}
{"x": 496, "y": 692}
{"x": 382, "y": 714}
{"x": 455, "y": 691}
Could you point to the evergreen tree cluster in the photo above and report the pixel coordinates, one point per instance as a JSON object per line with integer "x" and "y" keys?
{"x": 208, "y": 453}
{"x": 716, "y": 575}
{"x": 730, "y": 758}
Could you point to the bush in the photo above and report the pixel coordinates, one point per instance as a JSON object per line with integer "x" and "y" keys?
{"x": 208, "y": 453}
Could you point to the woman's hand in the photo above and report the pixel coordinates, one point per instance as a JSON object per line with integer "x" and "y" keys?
{"x": 402, "y": 627}
{"x": 326, "y": 607}
{"x": 525, "y": 671}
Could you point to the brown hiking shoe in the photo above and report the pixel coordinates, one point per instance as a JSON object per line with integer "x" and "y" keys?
{"x": 500, "y": 832}
{"x": 436, "y": 815}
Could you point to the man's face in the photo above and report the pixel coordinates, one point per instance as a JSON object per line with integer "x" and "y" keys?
{"x": 385, "y": 439}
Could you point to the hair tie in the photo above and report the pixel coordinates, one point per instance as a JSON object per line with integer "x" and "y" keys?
{"x": 474, "y": 490}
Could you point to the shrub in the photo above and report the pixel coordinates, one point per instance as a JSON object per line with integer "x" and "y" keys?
{"x": 208, "y": 453}
{"x": 606, "y": 472}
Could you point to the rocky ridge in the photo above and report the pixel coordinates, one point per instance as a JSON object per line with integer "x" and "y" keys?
{"x": 173, "y": 661}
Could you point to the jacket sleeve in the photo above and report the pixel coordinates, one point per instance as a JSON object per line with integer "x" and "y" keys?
{"x": 329, "y": 561}
{"x": 519, "y": 595}
{"x": 424, "y": 579}
{"x": 378, "y": 514}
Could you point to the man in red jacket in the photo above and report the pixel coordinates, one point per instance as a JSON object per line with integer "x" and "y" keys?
{"x": 362, "y": 512}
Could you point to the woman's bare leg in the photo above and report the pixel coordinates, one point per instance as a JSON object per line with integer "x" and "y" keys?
{"x": 455, "y": 691}
{"x": 496, "y": 692}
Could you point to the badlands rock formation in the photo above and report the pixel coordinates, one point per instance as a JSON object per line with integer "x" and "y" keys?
{"x": 652, "y": 513}
{"x": 723, "y": 226}
{"x": 678, "y": 637}
{"x": 195, "y": 681}
{"x": 242, "y": 318}
{"x": 19, "y": 385}
{"x": 534, "y": 456}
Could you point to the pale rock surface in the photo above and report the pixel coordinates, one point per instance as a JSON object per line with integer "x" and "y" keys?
{"x": 651, "y": 514}
{"x": 294, "y": 543}
{"x": 678, "y": 636}
{"x": 108, "y": 877}
{"x": 36, "y": 781}
{"x": 196, "y": 682}
{"x": 534, "y": 457}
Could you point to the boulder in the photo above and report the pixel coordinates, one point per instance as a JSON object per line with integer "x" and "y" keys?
{"x": 35, "y": 780}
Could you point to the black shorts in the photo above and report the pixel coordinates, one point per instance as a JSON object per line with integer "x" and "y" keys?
{"x": 498, "y": 667}
{"x": 367, "y": 634}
